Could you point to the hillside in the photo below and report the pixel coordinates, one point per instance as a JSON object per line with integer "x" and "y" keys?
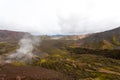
{"x": 8, "y": 36}
{"x": 104, "y": 40}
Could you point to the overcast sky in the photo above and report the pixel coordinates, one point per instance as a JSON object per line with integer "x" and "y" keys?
{"x": 59, "y": 16}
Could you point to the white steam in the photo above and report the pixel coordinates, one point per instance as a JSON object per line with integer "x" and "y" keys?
{"x": 25, "y": 52}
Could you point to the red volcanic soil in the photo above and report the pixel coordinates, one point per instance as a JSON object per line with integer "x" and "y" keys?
{"x": 10, "y": 72}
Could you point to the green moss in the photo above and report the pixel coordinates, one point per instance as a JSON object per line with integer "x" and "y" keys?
{"x": 19, "y": 63}
{"x": 116, "y": 41}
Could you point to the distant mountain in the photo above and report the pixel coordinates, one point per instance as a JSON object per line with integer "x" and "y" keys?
{"x": 8, "y": 36}
{"x": 104, "y": 40}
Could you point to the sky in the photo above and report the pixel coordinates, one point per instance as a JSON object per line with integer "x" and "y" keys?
{"x": 50, "y": 17}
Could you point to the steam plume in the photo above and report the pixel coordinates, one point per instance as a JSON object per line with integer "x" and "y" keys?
{"x": 25, "y": 52}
